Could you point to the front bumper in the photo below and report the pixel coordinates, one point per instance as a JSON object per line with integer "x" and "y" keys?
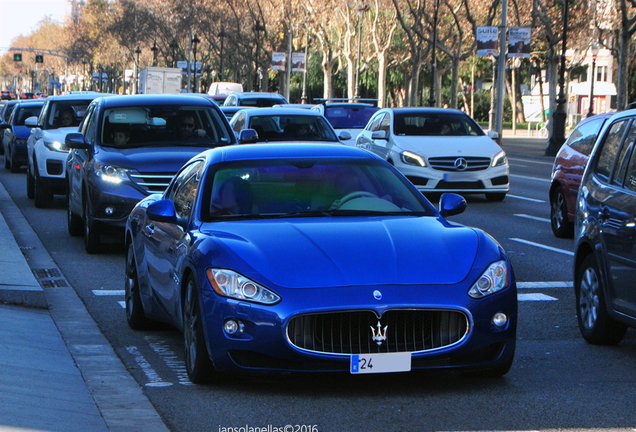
{"x": 110, "y": 204}
{"x": 263, "y": 344}
{"x": 426, "y": 179}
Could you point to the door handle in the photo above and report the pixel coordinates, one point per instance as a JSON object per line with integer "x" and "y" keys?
{"x": 150, "y": 229}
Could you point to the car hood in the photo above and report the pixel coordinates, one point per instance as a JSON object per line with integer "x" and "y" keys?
{"x": 479, "y": 146}
{"x": 145, "y": 159}
{"x": 56, "y": 134}
{"x": 350, "y": 251}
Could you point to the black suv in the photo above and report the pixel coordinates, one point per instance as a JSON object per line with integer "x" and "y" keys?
{"x": 605, "y": 235}
{"x": 129, "y": 147}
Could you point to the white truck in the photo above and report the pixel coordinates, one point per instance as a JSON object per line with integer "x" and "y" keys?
{"x": 158, "y": 80}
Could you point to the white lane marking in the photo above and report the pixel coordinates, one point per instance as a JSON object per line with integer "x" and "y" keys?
{"x": 535, "y": 297}
{"x": 539, "y": 245}
{"x": 109, "y": 292}
{"x": 536, "y": 218}
{"x": 526, "y": 198}
{"x": 545, "y": 285}
{"x": 530, "y": 178}
{"x": 122, "y": 304}
{"x": 153, "y": 377}
{"x": 531, "y": 161}
{"x": 170, "y": 358}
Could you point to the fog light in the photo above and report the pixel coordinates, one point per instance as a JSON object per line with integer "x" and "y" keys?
{"x": 232, "y": 327}
{"x": 500, "y": 319}
{"x": 109, "y": 210}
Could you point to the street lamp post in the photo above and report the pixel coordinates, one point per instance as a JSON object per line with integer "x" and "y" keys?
{"x": 361, "y": 8}
{"x": 431, "y": 94}
{"x": 558, "y": 128}
{"x": 595, "y": 50}
{"x": 174, "y": 47}
{"x": 195, "y": 41}
{"x": 304, "y": 97}
{"x": 138, "y": 52}
{"x": 154, "y": 50}
{"x": 221, "y": 35}
{"x": 258, "y": 28}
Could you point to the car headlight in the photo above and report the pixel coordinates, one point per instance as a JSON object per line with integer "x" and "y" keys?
{"x": 231, "y": 284}
{"x": 495, "y": 278}
{"x": 111, "y": 174}
{"x": 500, "y": 159}
{"x": 56, "y": 146}
{"x": 412, "y": 159}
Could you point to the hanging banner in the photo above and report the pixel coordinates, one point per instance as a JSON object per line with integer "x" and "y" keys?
{"x": 298, "y": 62}
{"x": 279, "y": 59}
{"x": 487, "y": 39}
{"x": 519, "y": 39}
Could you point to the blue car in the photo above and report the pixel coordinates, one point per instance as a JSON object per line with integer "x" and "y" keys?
{"x": 16, "y": 134}
{"x": 316, "y": 258}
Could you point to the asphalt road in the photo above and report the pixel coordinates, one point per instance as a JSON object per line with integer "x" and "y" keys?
{"x": 558, "y": 382}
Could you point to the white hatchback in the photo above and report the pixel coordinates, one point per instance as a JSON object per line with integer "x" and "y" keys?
{"x": 439, "y": 150}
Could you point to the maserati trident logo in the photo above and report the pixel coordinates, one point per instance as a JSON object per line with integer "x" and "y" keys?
{"x": 461, "y": 164}
{"x": 379, "y": 337}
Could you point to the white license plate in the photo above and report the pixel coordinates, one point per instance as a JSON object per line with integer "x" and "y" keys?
{"x": 380, "y": 363}
{"x": 461, "y": 176}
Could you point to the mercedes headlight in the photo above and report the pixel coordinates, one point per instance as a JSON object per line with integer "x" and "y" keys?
{"x": 500, "y": 159}
{"x": 111, "y": 174}
{"x": 495, "y": 278}
{"x": 231, "y": 284}
{"x": 412, "y": 159}
{"x": 56, "y": 146}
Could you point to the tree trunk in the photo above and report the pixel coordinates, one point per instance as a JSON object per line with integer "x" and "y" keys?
{"x": 411, "y": 98}
{"x": 454, "y": 82}
{"x": 623, "y": 69}
{"x": 382, "y": 79}
{"x": 553, "y": 66}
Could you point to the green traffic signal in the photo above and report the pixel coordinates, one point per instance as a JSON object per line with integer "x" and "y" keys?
{"x": 17, "y": 57}
{"x": 39, "y": 58}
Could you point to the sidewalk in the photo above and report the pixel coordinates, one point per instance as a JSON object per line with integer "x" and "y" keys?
{"x": 57, "y": 371}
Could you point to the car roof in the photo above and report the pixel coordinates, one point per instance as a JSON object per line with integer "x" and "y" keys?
{"x": 77, "y": 97}
{"x": 156, "y": 99}
{"x": 348, "y": 105}
{"x": 257, "y": 94}
{"x": 287, "y": 151}
{"x": 414, "y": 110}
{"x": 281, "y": 111}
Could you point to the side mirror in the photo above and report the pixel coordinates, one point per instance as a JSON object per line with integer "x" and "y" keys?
{"x": 164, "y": 211}
{"x": 494, "y": 135}
{"x": 4, "y": 126}
{"x": 31, "y": 122}
{"x": 379, "y": 135}
{"x": 248, "y": 136}
{"x": 451, "y": 204}
{"x": 344, "y": 136}
{"x": 75, "y": 140}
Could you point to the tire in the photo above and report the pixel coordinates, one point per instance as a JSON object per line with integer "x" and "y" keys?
{"x": 135, "y": 314}
{"x": 30, "y": 184}
{"x": 15, "y": 166}
{"x": 561, "y": 225}
{"x": 41, "y": 193}
{"x": 198, "y": 364}
{"x": 92, "y": 242}
{"x": 595, "y": 324}
{"x": 75, "y": 223}
{"x": 495, "y": 196}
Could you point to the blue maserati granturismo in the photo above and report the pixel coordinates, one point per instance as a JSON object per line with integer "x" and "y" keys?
{"x": 316, "y": 258}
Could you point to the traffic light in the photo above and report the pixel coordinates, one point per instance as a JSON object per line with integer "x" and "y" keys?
{"x": 39, "y": 58}
{"x": 29, "y": 70}
{"x": 17, "y": 57}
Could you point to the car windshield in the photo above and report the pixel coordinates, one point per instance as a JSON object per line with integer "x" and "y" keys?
{"x": 24, "y": 112}
{"x": 261, "y": 102}
{"x": 309, "y": 188}
{"x": 345, "y": 117}
{"x": 65, "y": 113}
{"x": 292, "y": 127}
{"x": 435, "y": 124}
{"x": 165, "y": 125}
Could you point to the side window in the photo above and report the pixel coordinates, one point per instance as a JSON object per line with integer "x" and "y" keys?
{"x": 610, "y": 149}
{"x": 375, "y": 123}
{"x": 87, "y": 119}
{"x": 240, "y": 123}
{"x": 623, "y": 156}
{"x": 385, "y": 124}
{"x": 45, "y": 110}
{"x": 583, "y": 138}
{"x": 185, "y": 188}
{"x": 90, "y": 125}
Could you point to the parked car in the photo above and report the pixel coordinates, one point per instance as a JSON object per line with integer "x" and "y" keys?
{"x": 351, "y": 117}
{"x": 5, "y": 114}
{"x": 316, "y": 258}
{"x": 605, "y": 235}
{"x": 254, "y": 99}
{"x": 569, "y": 164}
{"x": 16, "y": 134}
{"x": 439, "y": 150}
{"x": 285, "y": 124}
{"x": 46, "y": 168}
{"x": 129, "y": 147}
